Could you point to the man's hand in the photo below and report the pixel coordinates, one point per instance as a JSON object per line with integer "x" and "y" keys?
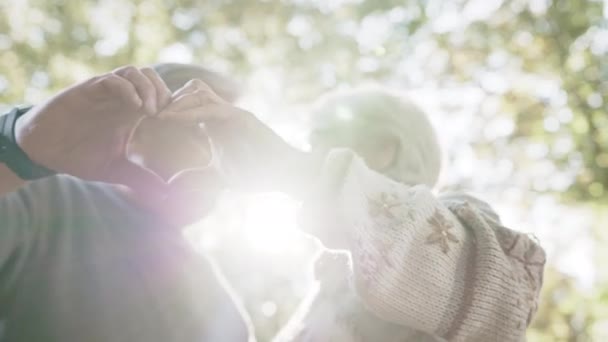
{"x": 83, "y": 131}
{"x": 169, "y": 147}
{"x": 252, "y": 157}
{"x": 176, "y": 147}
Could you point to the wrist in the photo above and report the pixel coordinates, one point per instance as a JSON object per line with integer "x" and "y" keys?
{"x": 12, "y": 153}
{"x": 20, "y": 132}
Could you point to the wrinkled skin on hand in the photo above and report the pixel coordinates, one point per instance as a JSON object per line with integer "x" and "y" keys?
{"x": 176, "y": 147}
{"x": 253, "y": 157}
{"x": 83, "y": 130}
{"x": 174, "y": 141}
{"x": 169, "y": 148}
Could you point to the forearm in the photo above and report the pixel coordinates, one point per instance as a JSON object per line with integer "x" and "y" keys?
{"x": 410, "y": 249}
{"x": 9, "y": 182}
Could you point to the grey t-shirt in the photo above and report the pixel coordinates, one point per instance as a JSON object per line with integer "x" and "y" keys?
{"x": 78, "y": 262}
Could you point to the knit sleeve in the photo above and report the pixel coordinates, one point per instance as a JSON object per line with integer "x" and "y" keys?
{"x": 442, "y": 266}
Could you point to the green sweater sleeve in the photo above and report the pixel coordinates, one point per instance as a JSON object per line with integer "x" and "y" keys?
{"x": 80, "y": 262}
{"x": 15, "y": 234}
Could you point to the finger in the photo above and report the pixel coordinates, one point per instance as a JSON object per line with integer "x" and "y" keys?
{"x": 121, "y": 88}
{"x": 191, "y": 98}
{"x": 163, "y": 94}
{"x": 135, "y": 127}
{"x": 204, "y": 91}
{"x": 142, "y": 84}
{"x": 142, "y": 181}
{"x": 198, "y": 114}
{"x": 197, "y": 106}
{"x": 192, "y": 86}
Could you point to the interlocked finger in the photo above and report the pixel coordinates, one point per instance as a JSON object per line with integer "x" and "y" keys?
{"x": 142, "y": 84}
{"x": 121, "y": 88}
{"x": 163, "y": 94}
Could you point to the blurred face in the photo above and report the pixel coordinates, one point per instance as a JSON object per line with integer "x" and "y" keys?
{"x": 378, "y": 148}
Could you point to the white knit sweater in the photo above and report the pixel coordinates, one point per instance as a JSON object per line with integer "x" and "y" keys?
{"x": 444, "y": 268}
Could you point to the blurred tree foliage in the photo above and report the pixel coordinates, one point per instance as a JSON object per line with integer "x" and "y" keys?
{"x": 540, "y": 67}
{"x": 564, "y": 42}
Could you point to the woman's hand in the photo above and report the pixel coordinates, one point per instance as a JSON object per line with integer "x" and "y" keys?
{"x": 83, "y": 131}
{"x": 254, "y": 158}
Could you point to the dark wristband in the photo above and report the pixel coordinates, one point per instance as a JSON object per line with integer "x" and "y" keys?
{"x": 12, "y": 155}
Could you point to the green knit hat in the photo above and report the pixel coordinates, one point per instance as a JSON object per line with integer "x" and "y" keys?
{"x": 367, "y": 114}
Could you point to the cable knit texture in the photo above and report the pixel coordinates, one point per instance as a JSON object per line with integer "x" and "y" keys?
{"x": 444, "y": 266}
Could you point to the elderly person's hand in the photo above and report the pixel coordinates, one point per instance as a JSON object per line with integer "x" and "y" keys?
{"x": 169, "y": 147}
{"x": 254, "y": 158}
{"x": 251, "y": 156}
{"x": 200, "y": 143}
{"x": 83, "y": 131}
{"x": 176, "y": 147}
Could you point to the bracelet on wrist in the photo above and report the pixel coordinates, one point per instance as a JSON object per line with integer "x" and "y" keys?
{"x": 12, "y": 155}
